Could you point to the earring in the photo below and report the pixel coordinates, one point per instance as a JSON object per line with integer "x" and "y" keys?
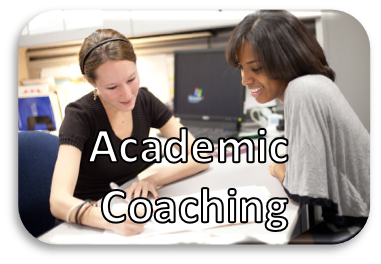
{"x": 95, "y": 94}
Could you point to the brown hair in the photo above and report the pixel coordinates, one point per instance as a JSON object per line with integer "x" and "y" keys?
{"x": 113, "y": 50}
{"x": 284, "y": 47}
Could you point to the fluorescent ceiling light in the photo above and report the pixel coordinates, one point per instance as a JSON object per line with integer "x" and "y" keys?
{"x": 170, "y": 37}
{"x": 116, "y": 15}
{"x": 80, "y": 19}
{"x": 306, "y": 14}
{"x": 176, "y": 15}
{"x": 50, "y": 21}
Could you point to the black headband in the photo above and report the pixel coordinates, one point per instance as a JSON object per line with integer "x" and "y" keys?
{"x": 96, "y": 46}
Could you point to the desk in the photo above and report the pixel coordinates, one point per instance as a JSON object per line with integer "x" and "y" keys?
{"x": 218, "y": 176}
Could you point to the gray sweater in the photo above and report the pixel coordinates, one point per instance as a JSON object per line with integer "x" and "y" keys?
{"x": 329, "y": 151}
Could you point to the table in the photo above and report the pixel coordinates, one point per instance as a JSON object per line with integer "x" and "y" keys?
{"x": 218, "y": 176}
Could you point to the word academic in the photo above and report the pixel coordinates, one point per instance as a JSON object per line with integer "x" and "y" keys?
{"x": 201, "y": 145}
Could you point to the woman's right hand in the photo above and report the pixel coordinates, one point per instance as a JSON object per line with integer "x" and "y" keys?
{"x": 128, "y": 227}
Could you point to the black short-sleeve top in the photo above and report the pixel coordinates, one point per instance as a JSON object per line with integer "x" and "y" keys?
{"x": 83, "y": 121}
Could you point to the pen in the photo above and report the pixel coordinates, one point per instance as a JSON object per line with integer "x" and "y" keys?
{"x": 115, "y": 186}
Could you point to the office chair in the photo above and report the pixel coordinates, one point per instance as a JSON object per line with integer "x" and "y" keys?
{"x": 37, "y": 153}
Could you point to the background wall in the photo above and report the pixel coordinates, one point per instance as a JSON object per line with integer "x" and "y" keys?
{"x": 22, "y": 65}
{"x": 347, "y": 48}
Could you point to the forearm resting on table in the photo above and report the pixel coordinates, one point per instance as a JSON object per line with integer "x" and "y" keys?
{"x": 92, "y": 217}
{"x": 62, "y": 200}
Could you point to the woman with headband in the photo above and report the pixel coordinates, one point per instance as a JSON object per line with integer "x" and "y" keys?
{"x": 122, "y": 109}
{"x": 328, "y": 146}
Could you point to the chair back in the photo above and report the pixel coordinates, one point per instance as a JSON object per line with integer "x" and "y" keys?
{"x": 37, "y": 153}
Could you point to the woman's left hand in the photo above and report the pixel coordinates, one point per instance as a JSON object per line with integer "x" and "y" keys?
{"x": 279, "y": 170}
{"x": 141, "y": 188}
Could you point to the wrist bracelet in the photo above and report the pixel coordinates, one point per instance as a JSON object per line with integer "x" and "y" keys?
{"x": 79, "y": 209}
{"x": 84, "y": 210}
{"x": 71, "y": 210}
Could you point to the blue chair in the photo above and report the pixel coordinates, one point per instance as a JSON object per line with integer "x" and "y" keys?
{"x": 37, "y": 157}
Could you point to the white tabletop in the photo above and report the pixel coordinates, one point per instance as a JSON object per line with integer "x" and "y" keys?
{"x": 217, "y": 177}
